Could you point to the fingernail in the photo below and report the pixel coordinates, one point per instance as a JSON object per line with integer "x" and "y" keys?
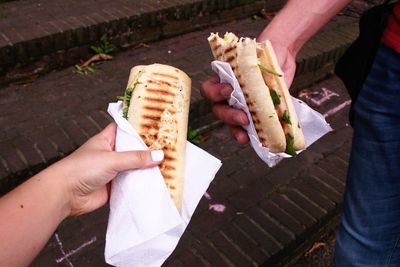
{"x": 157, "y": 155}
{"x": 226, "y": 92}
{"x": 240, "y": 119}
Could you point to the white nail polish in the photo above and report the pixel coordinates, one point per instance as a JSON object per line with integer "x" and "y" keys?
{"x": 157, "y": 155}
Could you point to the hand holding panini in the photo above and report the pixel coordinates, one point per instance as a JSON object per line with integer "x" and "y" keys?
{"x": 268, "y": 99}
{"x": 156, "y": 104}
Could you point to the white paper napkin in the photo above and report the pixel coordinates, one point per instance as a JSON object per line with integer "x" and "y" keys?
{"x": 313, "y": 123}
{"x": 144, "y": 225}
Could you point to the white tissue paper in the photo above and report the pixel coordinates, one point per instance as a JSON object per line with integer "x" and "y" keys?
{"x": 144, "y": 225}
{"x": 313, "y": 123}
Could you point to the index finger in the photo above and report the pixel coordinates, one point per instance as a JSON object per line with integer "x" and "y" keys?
{"x": 215, "y": 91}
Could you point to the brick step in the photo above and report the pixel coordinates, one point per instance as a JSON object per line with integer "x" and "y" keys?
{"x": 41, "y": 131}
{"x": 37, "y": 37}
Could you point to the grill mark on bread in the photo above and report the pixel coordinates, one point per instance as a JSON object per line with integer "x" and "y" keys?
{"x": 152, "y": 117}
{"x": 161, "y": 82}
{"x": 152, "y": 108}
{"x": 157, "y": 100}
{"x": 149, "y": 126}
{"x": 165, "y": 75}
{"x": 230, "y": 49}
{"x": 168, "y": 176}
{"x": 159, "y": 91}
{"x": 230, "y": 59}
{"x": 169, "y": 167}
{"x": 168, "y": 157}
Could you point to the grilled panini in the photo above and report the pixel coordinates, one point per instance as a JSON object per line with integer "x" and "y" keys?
{"x": 264, "y": 89}
{"x": 156, "y": 104}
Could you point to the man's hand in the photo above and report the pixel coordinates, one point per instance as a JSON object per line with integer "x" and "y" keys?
{"x": 218, "y": 93}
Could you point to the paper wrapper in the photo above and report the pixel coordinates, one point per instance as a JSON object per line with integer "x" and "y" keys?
{"x": 144, "y": 225}
{"x": 313, "y": 123}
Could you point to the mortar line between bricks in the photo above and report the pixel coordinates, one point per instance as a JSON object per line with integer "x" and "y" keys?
{"x": 304, "y": 196}
{"x": 245, "y": 234}
{"x": 220, "y": 253}
{"x": 67, "y": 136}
{"x": 5, "y": 164}
{"x": 287, "y": 213}
{"x": 200, "y": 257}
{"x": 35, "y": 146}
{"x": 310, "y": 201}
{"x": 94, "y": 122}
{"x": 79, "y": 127}
{"x": 325, "y": 184}
{"x": 279, "y": 244}
{"x": 22, "y": 157}
{"x": 276, "y": 223}
{"x": 300, "y": 208}
{"x": 322, "y": 194}
{"x": 237, "y": 248}
{"x": 331, "y": 176}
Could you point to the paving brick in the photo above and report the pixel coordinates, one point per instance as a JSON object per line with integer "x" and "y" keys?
{"x": 287, "y": 221}
{"x": 269, "y": 224}
{"x": 336, "y": 184}
{"x": 86, "y": 125}
{"x": 249, "y": 196}
{"x": 13, "y": 160}
{"x": 209, "y": 253}
{"x": 173, "y": 261}
{"x": 311, "y": 208}
{"x": 57, "y": 136}
{"x": 189, "y": 259}
{"x": 294, "y": 210}
{"x": 208, "y": 221}
{"x": 4, "y": 171}
{"x": 248, "y": 246}
{"x": 322, "y": 187}
{"x": 315, "y": 196}
{"x": 334, "y": 166}
{"x": 226, "y": 246}
{"x": 257, "y": 234}
{"x": 74, "y": 132}
{"x": 222, "y": 187}
{"x": 32, "y": 156}
{"x": 45, "y": 146}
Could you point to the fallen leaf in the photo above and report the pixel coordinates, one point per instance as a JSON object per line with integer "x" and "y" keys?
{"x": 97, "y": 57}
{"x": 315, "y": 247}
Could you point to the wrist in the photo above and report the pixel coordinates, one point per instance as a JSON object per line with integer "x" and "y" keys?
{"x": 59, "y": 190}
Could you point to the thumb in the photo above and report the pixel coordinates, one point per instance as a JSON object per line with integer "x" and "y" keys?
{"x": 136, "y": 159}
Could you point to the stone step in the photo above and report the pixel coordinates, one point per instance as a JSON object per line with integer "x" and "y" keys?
{"x": 39, "y": 36}
{"x": 47, "y": 119}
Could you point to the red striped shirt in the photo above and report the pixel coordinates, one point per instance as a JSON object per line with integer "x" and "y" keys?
{"x": 391, "y": 35}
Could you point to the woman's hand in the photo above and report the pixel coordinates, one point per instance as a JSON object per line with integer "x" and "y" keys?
{"x": 87, "y": 172}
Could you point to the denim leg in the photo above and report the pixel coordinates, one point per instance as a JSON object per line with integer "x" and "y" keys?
{"x": 369, "y": 233}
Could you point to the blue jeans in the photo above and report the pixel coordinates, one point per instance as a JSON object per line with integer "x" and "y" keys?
{"x": 369, "y": 233}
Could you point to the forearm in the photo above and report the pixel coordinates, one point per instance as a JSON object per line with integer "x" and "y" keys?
{"x": 30, "y": 214}
{"x": 299, "y": 20}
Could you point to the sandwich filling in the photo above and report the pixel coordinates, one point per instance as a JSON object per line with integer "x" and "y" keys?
{"x": 126, "y": 99}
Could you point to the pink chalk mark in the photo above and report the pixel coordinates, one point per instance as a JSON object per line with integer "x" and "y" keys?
{"x": 317, "y": 98}
{"x": 207, "y": 196}
{"x": 217, "y": 207}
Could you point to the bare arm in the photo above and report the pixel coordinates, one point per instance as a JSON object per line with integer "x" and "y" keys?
{"x": 299, "y": 20}
{"x": 288, "y": 31}
{"x": 75, "y": 185}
